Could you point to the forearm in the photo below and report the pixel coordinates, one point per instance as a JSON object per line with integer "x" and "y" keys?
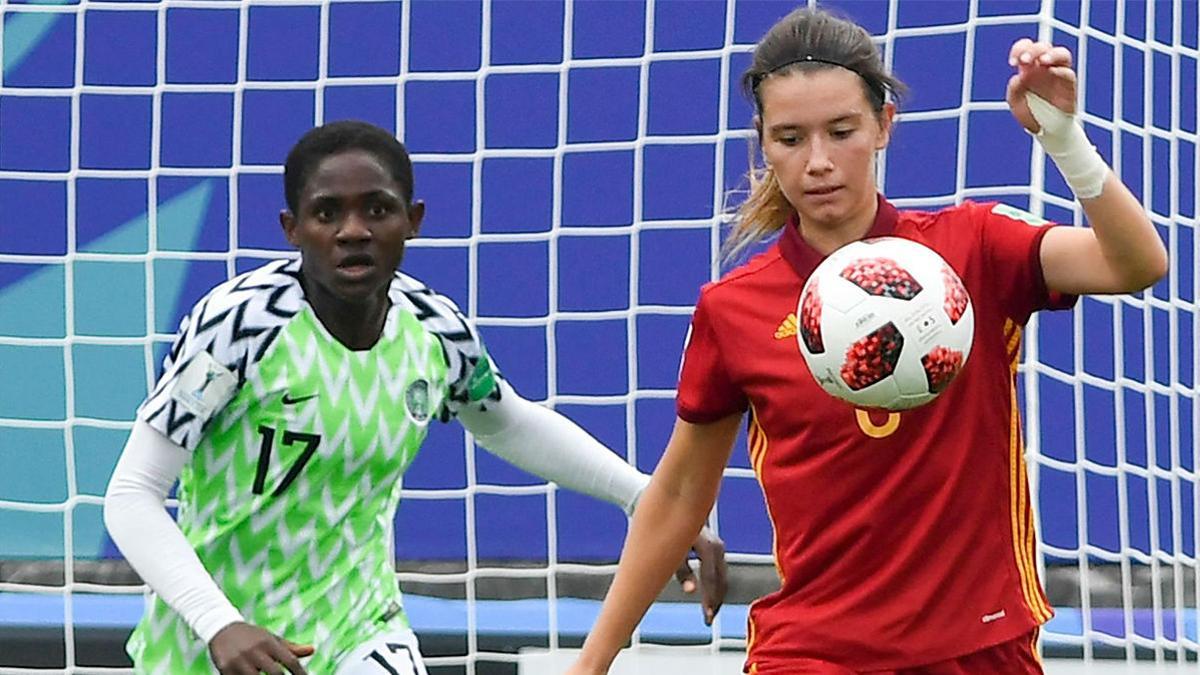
{"x": 150, "y": 540}
{"x": 1126, "y": 237}
{"x": 1127, "y": 251}
{"x": 553, "y": 447}
{"x": 662, "y": 530}
{"x": 668, "y": 516}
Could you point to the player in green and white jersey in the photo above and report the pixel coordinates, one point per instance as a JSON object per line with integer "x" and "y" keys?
{"x": 291, "y": 403}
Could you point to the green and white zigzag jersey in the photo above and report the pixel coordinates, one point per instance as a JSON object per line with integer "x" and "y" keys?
{"x": 299, "y": 445}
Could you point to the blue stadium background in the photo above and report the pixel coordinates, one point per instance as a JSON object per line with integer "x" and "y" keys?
{"x": 115, "y": 129}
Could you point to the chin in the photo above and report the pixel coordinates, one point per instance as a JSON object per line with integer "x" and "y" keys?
{"x": 360, "y": 293}
{"x": 828, "y": 218}
{"x": 834, "y": 214}
{"x": 354, "y": 292}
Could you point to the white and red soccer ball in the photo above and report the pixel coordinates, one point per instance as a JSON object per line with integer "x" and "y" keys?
{"x": 885, "y": 323}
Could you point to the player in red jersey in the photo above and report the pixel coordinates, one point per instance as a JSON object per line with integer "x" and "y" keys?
{"x": 904, "y": 541}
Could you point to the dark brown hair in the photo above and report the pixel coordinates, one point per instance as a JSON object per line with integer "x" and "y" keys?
{"x": 337, "y": 137}
{"x": 804, "y": 40}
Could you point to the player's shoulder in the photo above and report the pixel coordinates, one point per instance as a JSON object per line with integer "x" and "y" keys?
{"x": 467, "y": 363}
{"x": 269, "y": 293}
{"x": 436, "y": 312}
{"x": 955, "y": 215}
{"x": 968, "y": 213}
{"x": 245, "y": 310}
{"x": 745, "y": 278}
{"x": 421, "y": 299}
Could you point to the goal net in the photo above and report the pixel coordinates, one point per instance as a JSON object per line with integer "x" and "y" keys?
{"x": 575, "y": 158}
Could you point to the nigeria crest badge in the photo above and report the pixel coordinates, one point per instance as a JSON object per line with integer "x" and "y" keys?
{"x": 416, "y": 401}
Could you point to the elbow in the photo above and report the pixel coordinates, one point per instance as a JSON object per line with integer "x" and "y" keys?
{"x": 1150, "y": 272}
{"x": 112, "y": 518}
{"x": 125, "y": 516}
{"x": 1156, "y": 265}
{"x": 119, "y": 501}
{"x": 116, "y": 500}
{"x": 1159, "y": 267}
{"x": 109, "y": 505}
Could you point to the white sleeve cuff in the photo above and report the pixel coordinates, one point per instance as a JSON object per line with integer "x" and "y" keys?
{"x": 553, "y": 447}
{"x": 137, "y": 519}
{"x": 1065, "y": 142}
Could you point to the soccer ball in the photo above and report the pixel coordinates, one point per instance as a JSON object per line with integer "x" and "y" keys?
{"x": 885, "y": 323}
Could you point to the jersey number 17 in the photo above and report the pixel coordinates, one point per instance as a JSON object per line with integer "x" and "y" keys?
{"x": 311, "y": 441}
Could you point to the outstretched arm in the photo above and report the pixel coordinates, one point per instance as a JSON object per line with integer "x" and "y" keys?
{"x": 1121, "y": 252}
{"x": 680, "y": 496}
{"x": 553, "y": 447}
{"x": 549, "y": 445}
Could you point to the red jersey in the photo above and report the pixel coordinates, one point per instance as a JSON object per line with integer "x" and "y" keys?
{"x": 901, "y": 539}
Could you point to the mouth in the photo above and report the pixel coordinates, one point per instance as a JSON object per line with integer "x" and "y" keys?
{"x": 823, "y": 190}
{"x": 356, "y": 265}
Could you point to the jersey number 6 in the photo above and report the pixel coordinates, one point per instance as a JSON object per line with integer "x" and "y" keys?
{"x": 311, "y": 441}
{"x": 870, "y": 428}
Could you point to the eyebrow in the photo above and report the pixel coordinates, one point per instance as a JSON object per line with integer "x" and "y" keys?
{"x": 840, "y": 118}
{"x": 324, "y": 196}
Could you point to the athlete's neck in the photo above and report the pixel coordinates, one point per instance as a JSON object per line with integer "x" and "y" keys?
{"x": 827, "y": 238}
{"x": 357, "y": 325}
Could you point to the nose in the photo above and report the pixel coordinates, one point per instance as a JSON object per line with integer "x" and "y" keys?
{"x": 354, "y": 228}
{"x": 819, "y": 160}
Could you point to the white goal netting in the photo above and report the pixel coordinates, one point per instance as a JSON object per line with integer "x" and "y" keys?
{"x": 575, "y": 158}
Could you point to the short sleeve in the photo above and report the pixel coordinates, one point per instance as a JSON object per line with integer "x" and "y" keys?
{"x": 472, "y": 378}
{"x": 195, "y": 385}
{"x": 478, "y": 380}
{"x": 706, "y": 392}
{"x": 224, "y": 335}
{"x": 1012, "y": 242}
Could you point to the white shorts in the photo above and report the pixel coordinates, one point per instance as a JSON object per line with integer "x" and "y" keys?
{"x": 395, "y": 653}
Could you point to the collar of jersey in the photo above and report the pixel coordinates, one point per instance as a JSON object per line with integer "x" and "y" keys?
{"x": 804, "y": 258}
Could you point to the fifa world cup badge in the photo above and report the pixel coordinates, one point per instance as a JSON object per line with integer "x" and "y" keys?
{"x": 198, "y": 393}
{"x": 204, "y": 386}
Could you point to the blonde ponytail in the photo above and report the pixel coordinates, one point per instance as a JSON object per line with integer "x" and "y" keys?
{"x": 765, "y": 212}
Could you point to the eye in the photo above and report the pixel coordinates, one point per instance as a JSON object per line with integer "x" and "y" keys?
{"x": 788, "y": 139}
{"x": 378, "y": 210}
{"x": 841, "y": 133}
{"x": 323, "y": 214}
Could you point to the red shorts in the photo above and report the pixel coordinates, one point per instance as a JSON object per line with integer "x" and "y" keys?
{"x": 1015, "y": 657}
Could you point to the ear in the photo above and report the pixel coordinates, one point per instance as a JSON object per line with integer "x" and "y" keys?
{"x": 887, "y": 119}
{"x": 287, "y": 220}
{"x": 416, "y": 213}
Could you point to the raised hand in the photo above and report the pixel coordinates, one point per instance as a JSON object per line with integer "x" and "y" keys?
{"x": 1042, "y": 69}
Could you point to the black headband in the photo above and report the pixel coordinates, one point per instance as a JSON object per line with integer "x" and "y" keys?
{"x": 876, "y": 88}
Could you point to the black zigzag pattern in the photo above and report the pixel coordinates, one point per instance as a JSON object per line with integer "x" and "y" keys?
{"x": 236, "y": 322}
{"x": 177, "y": 346}
{"x": 461, "y": 344}
{"x": 176, "y": 418}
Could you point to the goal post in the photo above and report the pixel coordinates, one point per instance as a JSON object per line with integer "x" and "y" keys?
{"x": 576, "y": 159}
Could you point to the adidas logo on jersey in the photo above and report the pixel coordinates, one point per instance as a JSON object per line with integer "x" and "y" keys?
{"x": 786, "y": 329}
{"x": 994, "y": 616}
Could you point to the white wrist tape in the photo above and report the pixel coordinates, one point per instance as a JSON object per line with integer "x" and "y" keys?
{"x": 1065, "y": 142}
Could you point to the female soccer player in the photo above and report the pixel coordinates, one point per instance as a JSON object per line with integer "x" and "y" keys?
{"x": 904, "y": 542}
{"x": 292, "y": 401}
